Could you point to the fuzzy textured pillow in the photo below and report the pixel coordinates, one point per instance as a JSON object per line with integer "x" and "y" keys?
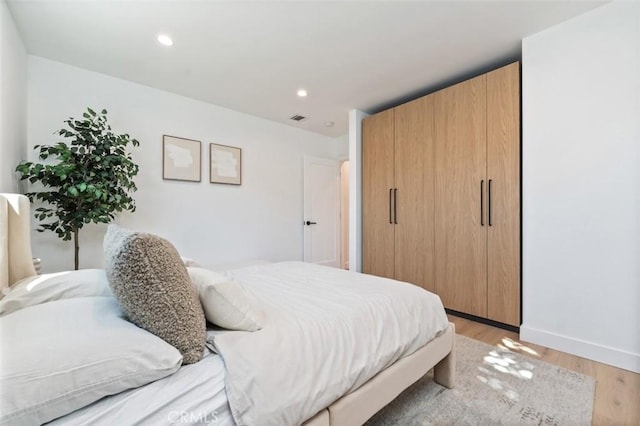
{"x": 154, "y": 291}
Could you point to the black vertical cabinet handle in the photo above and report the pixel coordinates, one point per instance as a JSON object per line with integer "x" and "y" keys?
{"x": 489, "y": 208}
{"x": 395, "y": 206}
{"x": 390, "y": 205}
{"x": 482, "y": 202}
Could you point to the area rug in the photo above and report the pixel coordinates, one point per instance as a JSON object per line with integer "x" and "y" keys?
{"x": 495, "y": 385}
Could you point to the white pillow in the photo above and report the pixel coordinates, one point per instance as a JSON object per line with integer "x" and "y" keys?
{"x": 49, "y": 287}
{"x": 225, "y": 303}
{"x": 60, "y": 356}
{"x": 188, "y": 262}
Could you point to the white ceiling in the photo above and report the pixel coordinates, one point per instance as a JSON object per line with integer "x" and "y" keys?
{"x": 253, "y": 56}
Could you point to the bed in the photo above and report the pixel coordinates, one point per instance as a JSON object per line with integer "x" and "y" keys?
{"x": 240, "y": 379}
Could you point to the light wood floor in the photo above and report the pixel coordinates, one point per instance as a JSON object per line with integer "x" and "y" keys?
{"x": 617, "y": 399}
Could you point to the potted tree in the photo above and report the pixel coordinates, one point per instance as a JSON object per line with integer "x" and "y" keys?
{"x": 90, "y": 180}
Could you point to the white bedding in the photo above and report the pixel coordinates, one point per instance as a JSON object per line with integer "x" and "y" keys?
{"x": 327, "y": 331}
{"x": 194, "y": 395}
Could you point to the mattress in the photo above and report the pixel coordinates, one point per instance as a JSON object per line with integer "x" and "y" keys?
{"x": 326, "y": 332}
{"x": 194, "y": 395}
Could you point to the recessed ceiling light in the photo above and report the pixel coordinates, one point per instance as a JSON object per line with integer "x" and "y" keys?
{"x": 329, "y": 124}
{"x": 165, "y": 40}
{"x": 302, "y": 93}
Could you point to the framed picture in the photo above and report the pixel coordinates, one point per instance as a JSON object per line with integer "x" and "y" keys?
{"x": 226, "y": 164}
{"x": 180, "y": 159}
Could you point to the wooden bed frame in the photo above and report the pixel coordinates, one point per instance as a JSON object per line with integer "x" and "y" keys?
{"x": 354, "y": 408}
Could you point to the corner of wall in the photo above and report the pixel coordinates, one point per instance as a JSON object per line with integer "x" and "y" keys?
{"x": 355, "y": 189}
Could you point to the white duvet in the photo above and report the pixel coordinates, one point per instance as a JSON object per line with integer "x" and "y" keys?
{"x": 327, "y": 331}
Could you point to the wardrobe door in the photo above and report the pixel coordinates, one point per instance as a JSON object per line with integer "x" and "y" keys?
{"x": 377, "y": 194}
{"x": 503, "y": 209}
{"x": 414, "y": 180}
{"x": 461, "y": 232}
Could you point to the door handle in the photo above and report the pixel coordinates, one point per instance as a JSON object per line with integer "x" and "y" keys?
{"x": 489, "y": 207}
{"x": 310, "y": 223}
{"x": 482, "y": 202}
{"x": 395, "y": 206}
{"x": 390, "y": 206}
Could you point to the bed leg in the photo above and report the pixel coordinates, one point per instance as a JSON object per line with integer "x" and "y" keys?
{"x": 444, "y": 372}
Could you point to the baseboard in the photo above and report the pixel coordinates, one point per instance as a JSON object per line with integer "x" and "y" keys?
{"x": 593, "y": 351}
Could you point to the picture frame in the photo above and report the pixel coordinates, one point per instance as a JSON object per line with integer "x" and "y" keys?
{"x": 181, "y": 159}
{"x": 225, "y": 164}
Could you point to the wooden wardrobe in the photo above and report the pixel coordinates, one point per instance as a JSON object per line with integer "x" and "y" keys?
{"x": 398, "y": 185}
{"x": 441, "y": 194}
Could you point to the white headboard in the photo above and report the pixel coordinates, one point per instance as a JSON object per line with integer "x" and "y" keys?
{"x": 16, "y": 260}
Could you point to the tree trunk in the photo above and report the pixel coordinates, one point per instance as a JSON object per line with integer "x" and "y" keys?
{"x": 76, "y": 248}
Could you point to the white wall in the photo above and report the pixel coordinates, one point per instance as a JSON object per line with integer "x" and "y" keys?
{"x": 13, "y": 95}
{"x": 341, "y": 147}
{"x": 214, "y": 224}
{"x": 344, "y": 215}
{"x": 581, "y": 186}
{"x": 355, "y": 189}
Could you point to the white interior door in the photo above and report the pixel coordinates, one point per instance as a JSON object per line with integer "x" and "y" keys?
{"x": 322, "y": 211}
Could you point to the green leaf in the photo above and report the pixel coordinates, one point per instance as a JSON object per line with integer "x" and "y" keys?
{"x": 87, "y": 178}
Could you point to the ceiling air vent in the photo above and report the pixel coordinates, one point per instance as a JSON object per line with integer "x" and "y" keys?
{"x": 298, "y": 117}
